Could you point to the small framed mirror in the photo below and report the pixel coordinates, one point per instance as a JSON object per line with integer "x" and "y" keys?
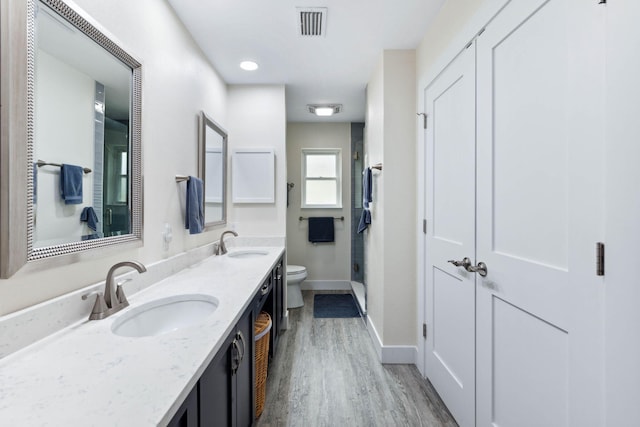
{"x": 212, "y": 168}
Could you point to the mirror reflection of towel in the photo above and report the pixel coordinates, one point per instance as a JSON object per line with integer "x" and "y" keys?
{"x": 89, "y": 216}
{"x": 71, "y": 184}
{"x": 321, "y": 229}
{"x": 194, "y": 220}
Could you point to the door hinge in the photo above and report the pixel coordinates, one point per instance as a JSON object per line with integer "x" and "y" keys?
{"x": 600, "y": 259}
{"x": 424, "y": 330}
{"x": 424, "y": 226}
{"x": 424, "y": 119}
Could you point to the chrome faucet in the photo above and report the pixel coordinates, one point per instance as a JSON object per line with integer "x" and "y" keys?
{"x": 222, "y": 249}
{"x": 114, "y": 299}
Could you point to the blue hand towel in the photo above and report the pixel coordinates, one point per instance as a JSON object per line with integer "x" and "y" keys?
{"x": 89, "y": 216}
{"x": 321, "y": 229}
{"x": 71, "y": 184}
{"x": 195, "y": 206}
{"x": 366, "y": 187}
{"x": 365, "y": 220}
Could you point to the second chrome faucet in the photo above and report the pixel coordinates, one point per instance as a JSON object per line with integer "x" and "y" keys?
{"x": 221, "y": 249}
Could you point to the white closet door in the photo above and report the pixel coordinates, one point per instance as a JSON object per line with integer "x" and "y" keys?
{"x": 450, "y": 198}
{"x": 623, "y": 214}
{"x": 539, "y": 215}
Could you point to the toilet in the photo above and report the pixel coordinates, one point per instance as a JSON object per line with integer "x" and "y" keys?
{"x": 295, "y": 275}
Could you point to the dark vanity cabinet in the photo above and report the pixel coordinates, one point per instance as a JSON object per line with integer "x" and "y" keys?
{"x": 225, "y": 394}
{"x": 279, "y": 305}
{"x": 187, "y": 414}
{"x": 226, "y": 386}
{"x": 270, "y": 299}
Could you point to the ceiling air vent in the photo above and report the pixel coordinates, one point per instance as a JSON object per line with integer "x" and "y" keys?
{"x": 312, "y": 21}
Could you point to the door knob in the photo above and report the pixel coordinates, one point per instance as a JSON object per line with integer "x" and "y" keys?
{"x": 465, "y": 263}
{"x": 481, "y": 269}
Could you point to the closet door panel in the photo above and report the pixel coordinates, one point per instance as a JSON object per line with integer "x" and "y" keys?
{"x": 529, "y": 68}
{"x": 450, "y": 198}
{"x": 535, "y": 224}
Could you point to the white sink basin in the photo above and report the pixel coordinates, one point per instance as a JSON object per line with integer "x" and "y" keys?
{"x": 165, "y": 315}
{"x": 247, "y": 253}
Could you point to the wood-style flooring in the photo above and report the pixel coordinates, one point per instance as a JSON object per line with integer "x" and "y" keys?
{"x": 326, "y": 373}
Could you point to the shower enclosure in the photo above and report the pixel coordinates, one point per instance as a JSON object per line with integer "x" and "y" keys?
{"x": 357, "y": 240}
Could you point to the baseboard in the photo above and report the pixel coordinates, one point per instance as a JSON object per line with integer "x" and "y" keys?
{"x": 399, "y": 354}
{"x": 375, "y": 338}
{"x": 392, "y": 354}
{"x": 326, "y": 285}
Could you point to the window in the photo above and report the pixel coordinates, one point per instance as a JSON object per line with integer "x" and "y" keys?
{"x": 321, "y": 186}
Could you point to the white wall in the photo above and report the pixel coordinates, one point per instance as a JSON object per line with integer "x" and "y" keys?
{"x": 390, "y": 140}
{"x": 64, "y": 128}
{"x": 177, "y": 82}
{"x": 374, "y": 235}
{"x": 257, "y": 118}
{"x": 325, "y": 261}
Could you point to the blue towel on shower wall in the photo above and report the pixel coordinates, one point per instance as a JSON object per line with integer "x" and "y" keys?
{"x": 365, "y": 220}
{"x": 366, "y": 187}
{"x": 71, "y": 184}
{"x": 365, "y": 217}
{"x": 321, "y": 229}
{"x": 195, "y": 206}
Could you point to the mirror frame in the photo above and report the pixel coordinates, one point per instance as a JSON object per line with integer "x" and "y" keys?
{"x": 17, "y": 62}
{"x": 207, "y": 123}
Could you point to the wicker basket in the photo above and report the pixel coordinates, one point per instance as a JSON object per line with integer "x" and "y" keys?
{"x": 262, "y": 328}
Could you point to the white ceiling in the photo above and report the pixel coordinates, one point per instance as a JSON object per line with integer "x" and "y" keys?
{"x": 332, "y": 69}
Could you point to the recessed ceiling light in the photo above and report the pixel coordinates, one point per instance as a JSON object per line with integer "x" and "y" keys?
{"x": 249, "y": 65}
{"x": 324, "y": 110}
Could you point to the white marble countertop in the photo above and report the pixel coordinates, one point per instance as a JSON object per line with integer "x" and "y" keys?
{"x": 85, "y": 375}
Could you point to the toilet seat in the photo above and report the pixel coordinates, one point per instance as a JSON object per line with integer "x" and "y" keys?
{"x": 296, "y": 273}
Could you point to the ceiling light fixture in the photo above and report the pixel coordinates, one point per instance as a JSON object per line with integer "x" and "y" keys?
{"x": 324, "y": 110}
{"x": 249, "y": 65}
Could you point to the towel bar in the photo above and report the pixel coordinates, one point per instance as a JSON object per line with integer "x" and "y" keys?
{"x": 41, "y": 163}
{"x": 180, "y": 178}
{"x": 339, "y": 218}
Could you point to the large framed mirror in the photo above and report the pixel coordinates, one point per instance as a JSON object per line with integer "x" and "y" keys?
{"x": 74, "y": 182}
{"x": 212, "y": 167}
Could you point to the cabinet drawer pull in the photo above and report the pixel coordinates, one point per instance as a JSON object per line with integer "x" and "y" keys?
{"x": 240, "y": 338}
{"x": 235, "y": 356}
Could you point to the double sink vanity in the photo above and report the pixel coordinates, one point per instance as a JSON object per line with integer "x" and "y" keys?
{"x": 181, "y": 354}
{"x": 175, "y": 345}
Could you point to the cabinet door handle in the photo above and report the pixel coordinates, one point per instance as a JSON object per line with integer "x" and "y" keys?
{"x": 240, "y": 338}
{"x": 265, "y": 289}
{"x": 235, "y": 356}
